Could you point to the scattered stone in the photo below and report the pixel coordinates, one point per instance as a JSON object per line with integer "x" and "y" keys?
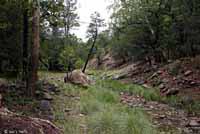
{"x": 52, "y": 93}
{"x": 81, "y": 115}
{"x": 194, "y": 123}
{"x": 174, "y": 78}
{"x": 192, "y": 83}
{"x": 45, "y": 105}
{"x": 146, "y": 86}
{"x": 161, "y": 86}
{"x": 147, "y": 70}
{"x": 154, "y": 75}
{"x": 169, "y": 61}
{"x": 77, "y": 98}
{"x": 173, "y": 91}
{"x": 140, "y": 82}
{"x": 68, "y": 110}
{"x": 1, "y": 100}
{"x": 165, "y": 80}
{"x": 38, "y": 92}
{"x": 47, "y": 96}
{"x": 118, "y": 76}
{"x": 51, "y": 117}
{"x": 187, "y": 73}
{"x": 164, "y": 116}
{"x": 159, "y": 72}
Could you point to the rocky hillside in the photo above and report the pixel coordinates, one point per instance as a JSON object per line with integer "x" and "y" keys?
{"x": 180, "y": 77}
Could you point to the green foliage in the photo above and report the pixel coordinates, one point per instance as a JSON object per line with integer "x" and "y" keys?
{"x": 79, "y": 63}
{"x": 10, "y": 36}
{"x": 96, "y": 23}
{"x": 157, "y": 28}
{"x": 58, "y": 56}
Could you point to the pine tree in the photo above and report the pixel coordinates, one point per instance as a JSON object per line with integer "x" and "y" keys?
{"x": 92, "y": 33}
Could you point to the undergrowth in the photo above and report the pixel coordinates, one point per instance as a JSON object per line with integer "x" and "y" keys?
{"x": 106, "y": 115}
{"x": 149, "y": 94}
{"x": 98, "y": 111}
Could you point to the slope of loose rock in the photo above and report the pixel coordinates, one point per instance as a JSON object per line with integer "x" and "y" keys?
{"x": 14, "y": 123}
{"x": 164, "y": 116}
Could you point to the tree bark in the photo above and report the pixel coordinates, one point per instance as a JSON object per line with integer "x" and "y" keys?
{"x": 25, "y": 47}
{"x": 89, "y": 54}
{"x": 34, "y": 51}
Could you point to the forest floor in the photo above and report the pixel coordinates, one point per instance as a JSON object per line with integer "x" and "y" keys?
{"x": 105, "y": 107}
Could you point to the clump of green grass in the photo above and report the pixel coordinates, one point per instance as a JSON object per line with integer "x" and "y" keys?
{"x": 89, "y": 104}
{"x": 106, "y": 115}
{"x": 148, "y": 94}
{"x": 119, "y": 120}
{"x": 68, "y": 123}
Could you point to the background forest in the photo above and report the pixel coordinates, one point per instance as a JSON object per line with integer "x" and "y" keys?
{"x": 160, "y": 30}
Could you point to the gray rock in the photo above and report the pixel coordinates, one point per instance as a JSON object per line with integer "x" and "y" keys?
{"x": 161, "y": 86}
{"x": 38, "y": 92}
{"x": 173, "y": 91}
{"x": 53, "y": 88}
{"x": 45, "y": 105}
{"x": 51, "y": 117}
{"x": 118, "y": 76}
{"x": 194, "y": 123}
{"x": 165, "y": 80}
{"x": 187, "y": 73}
{"x": 192, "y": 83}
{"x": 146, "y": 86}
{"x": 47, "y": 96}
{"x": 140, "y": 82}
{"x": 159, "y": 72}
{"x": 154, "y": 75}
{"x": 68, "y": 110}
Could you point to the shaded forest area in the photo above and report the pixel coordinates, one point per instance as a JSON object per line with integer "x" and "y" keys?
{"x": 149, "y": 43}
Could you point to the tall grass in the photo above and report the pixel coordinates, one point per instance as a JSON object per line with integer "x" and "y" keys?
{"x": 106, "y": 115}
{"x": 101, "y": 109}
{"x": 148, "y": 94}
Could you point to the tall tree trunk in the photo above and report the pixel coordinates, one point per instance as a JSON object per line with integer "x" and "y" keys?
{"x": 35, "y": 50}
{"x": 89, "y": 54}
{"x": 25, "y": 47}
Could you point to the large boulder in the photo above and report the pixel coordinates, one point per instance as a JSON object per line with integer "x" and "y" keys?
{"x": 14, "y": 123}
{"x": 77, "y": 77}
